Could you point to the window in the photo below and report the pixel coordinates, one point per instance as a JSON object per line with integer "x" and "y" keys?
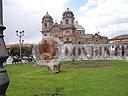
{"x": 112, "y": 46}
{"x": 45, "y": 25}
{"x": 67, "y": 32}
{"x": 67, "y": 22}
{"x": 67, "y": 39}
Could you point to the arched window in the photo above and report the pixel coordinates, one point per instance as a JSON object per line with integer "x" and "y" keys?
{"x": 66, "y": 21}
{"x": 67, "y": 39}
{"x": 67, "y": 32}
{"x": 117, "y": 51}
{"x": 45, "y": 25}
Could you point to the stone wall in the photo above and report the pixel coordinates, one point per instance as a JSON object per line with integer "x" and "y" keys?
{"x": 94, "y": 52}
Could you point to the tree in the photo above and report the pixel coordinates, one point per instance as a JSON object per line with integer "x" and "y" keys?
{"x": 15, "y": 50}
{"x": 26, "y": 51}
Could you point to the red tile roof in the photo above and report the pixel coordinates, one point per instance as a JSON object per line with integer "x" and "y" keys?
{"x": 120, "y": 37}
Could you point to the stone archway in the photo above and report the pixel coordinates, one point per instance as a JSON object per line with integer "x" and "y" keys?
{"x": 92, "y": 49}
{"x": 84, "y": 51}
{"x": 123, "y": 50}
{"x": 117, "y": 51}
{"x": 126, "y": 50}
{"x": 66, "y": 51}
{"x": 79, "y": 51}
{"x": 107, "y": 51}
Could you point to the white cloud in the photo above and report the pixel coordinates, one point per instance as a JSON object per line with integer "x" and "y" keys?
{"x": 84, "y": 8}
{"x": 110, "y": 17}
{"x": 104, "y": 16}
{"x": 91, "y": 3}
{"x": 26, "y": 15}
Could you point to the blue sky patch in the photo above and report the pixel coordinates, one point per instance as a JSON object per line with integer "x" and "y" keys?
{"x": 76, "y": 4}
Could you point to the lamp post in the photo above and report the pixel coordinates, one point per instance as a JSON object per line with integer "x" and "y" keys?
{"x": 4, "y": 80}
{"x": 20, "y": 34}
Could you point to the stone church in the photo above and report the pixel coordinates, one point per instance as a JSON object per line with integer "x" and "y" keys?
{"x": 69, "y": 31}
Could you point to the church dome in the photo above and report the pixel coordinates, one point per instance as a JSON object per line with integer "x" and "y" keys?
{"x": 68, "y": 13}
{"x": 78, "y": 27}
{"x": 47, "y": 17}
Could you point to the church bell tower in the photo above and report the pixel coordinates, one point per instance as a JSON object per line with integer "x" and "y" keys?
{"x": 47, "y": 23}
{"x": 68, "y": 26}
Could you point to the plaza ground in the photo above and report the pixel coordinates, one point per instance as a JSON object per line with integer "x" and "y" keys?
{"x": 81, "y": 78}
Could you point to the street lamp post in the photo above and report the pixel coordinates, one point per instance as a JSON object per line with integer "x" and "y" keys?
{"x": 20, "y": 34}
{"x": 4, "y": 80}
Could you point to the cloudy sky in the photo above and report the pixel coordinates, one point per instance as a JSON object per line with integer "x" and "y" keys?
{"x": 109, "y": 17}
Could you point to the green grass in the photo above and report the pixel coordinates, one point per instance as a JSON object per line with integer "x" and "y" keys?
{"x": 26, "y": 80}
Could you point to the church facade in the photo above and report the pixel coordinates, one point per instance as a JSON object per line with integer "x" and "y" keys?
{"x": 69, "y": 31}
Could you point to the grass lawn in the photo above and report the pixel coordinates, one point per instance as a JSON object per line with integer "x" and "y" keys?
{"x": 74, "y": 80}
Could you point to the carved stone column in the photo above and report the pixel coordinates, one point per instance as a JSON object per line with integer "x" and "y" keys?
{"x": 4, "y": 80}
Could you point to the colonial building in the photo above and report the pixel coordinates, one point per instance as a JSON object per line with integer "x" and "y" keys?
{"x": 69, "y": 31}
{"x": 120, "y": 39}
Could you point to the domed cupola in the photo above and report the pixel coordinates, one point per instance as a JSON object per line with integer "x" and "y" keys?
{"x": 47, "y": 22}
{"x": 68, "y": 18}
{"x": 47, "y": 18}
{"x": 68, "y": 13}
